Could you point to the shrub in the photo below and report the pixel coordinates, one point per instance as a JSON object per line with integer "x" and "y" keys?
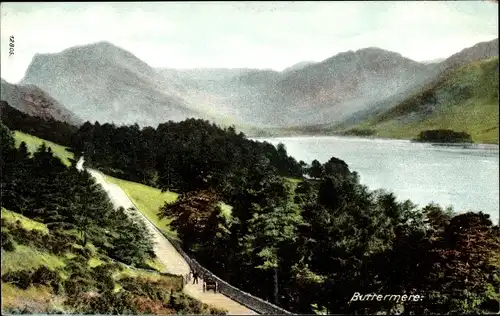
{"x": 7, "y": 242}
{"x": 76, "y": 285}
{"x": 104, "y": 303}
{"x": 21, "y": 278}
{"x": 45, "y": 276}
{"x": 103, "y": 273}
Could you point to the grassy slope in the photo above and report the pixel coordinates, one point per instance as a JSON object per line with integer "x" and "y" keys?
{"x": 26, "y": 257}
{"x": 34, "y": 142}
{"x": 26, "y": 223}
{"x": 476, "y": 114}
{"x": 149, "y": 200}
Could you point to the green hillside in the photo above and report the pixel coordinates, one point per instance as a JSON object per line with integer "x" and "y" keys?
{"x": 33, "y": 142}
{"x": 28, "y": 255}
{"x": 63, "y": 256}
{"x": 465, "y": 100}
{"x": 149, "y": 200}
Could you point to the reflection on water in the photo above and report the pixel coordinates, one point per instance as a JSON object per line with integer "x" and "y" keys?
{"x": 467, "y": 179}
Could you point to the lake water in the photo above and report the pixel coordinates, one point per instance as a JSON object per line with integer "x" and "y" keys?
{"x": 466, "y": 179}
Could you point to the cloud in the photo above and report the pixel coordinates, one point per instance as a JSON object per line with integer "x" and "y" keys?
{"x": 245, "y": 34}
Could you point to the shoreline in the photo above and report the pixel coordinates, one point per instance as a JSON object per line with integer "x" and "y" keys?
{"x": 494, "y": 145}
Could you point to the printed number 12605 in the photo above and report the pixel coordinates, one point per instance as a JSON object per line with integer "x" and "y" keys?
{"x": 11, "y": 46}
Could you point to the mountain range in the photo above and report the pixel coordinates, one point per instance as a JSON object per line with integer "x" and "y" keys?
{"x": 102, "y": 82}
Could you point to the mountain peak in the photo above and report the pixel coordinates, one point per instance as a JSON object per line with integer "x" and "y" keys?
{"x": 95, "y": 45}
{"x": 100, "y": 81}
{"x": 369, "y": 55}
{"x": 371, "y": 52}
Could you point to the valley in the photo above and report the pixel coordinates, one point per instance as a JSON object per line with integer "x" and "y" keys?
{"x": 234, "y": 158}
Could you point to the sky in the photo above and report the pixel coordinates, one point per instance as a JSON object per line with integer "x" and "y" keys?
{"x": 236, "y": 34}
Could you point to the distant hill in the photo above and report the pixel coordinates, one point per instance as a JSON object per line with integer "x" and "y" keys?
{"x": 106, "y": 83}
{"x": 33, "y": 101}
{"x": 463, "y": 100}
{"x": 205, "y": 74}
{"x": 477, "y": 52}
{"x": 336, "y": 88}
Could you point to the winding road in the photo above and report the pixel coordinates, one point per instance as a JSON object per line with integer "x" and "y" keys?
{"x": 172, "y": 260}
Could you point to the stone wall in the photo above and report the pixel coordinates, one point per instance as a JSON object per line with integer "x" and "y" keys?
{"x": 246, "y": 299}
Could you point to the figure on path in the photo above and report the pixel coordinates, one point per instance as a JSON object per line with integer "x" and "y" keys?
{"x": 195, "y": 277}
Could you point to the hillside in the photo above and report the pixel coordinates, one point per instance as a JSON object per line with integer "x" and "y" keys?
{"x": 34, "y": 101}
{"x": 33, "y": 143}
{"x": 338, "y": 87}
{"x": 30, "y": 250}
{"x": 468, "y": 55}
{"x": 477, "y": 52}
{"x": 462, "y": 100}
{"x": 106, "y": 83}
{"x": 297, "y": 66}
{"x": 75, "y": 253}
{"x": 200, "y": 75}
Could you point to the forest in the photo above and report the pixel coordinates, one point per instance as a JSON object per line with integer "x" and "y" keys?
{"x": 304, "y": 236}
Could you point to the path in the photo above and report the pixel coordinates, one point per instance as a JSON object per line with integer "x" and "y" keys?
{"x": 166, "y": 253}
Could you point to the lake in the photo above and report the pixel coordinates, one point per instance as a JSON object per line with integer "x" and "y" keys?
{"x": 466, "y": 179}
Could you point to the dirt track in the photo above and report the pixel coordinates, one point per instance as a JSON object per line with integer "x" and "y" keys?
{"x": 171, "y": 259}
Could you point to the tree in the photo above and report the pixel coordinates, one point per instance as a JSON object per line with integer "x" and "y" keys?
{"x": 269, "y": 228}
{"x": 190, "y": 214}
{"x": 467, "y": 255}
{"x": 7, "y": 140}
{"x": 133, "y": 242}
{"x": 316, "y": 170}
{"x": 335, "y": 167}
{"x": 7, "y": 151}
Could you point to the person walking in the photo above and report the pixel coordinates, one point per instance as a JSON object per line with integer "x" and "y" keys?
{"x": 195, "y": 277}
